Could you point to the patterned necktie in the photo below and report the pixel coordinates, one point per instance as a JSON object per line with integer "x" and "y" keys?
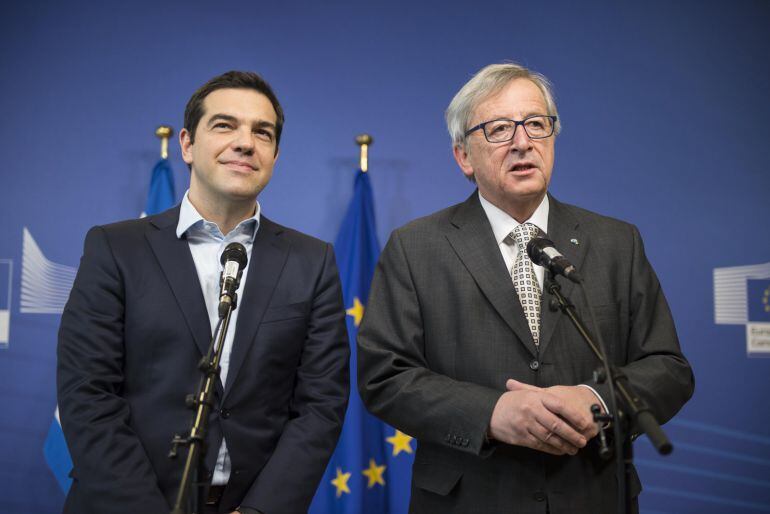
{"x": 524, "y": 279}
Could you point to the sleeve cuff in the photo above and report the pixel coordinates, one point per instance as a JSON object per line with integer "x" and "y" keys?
{"x": 598, "y": 397}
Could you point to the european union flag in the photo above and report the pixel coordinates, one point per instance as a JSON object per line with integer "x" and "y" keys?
{"x": 161, "y": 195}
{"x": 358, "y": 476}
{"x": 56, "y": 454}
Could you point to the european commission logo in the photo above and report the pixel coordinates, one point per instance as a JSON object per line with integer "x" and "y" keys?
{"x": 742, "y": 297}
{"x": 45, "y": 285}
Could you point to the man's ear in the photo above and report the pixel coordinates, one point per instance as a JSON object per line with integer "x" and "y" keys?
{"x": 185, "y": 144}
{"x": 462, "y": 156}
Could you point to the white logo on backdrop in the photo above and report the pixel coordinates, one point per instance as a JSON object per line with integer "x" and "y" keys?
{"x": 45, "y": 285}
{"x": 731, "y": 303}
{"x": 6, "y": 269}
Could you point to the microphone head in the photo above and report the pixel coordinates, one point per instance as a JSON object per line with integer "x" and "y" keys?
{"x": 235, "y": 252}
{"x": 535, "y": 249}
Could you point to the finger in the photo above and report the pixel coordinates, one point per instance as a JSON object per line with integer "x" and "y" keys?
{"x": 535, "y": 443}
{"x": 542, "y": 441}
{"x": 591, "y": 428}
{"x": 552, "y": 438}
{"x": 581, "y": 421}
{"x": 555, "y": 425}
{"x": 515, "y": 385}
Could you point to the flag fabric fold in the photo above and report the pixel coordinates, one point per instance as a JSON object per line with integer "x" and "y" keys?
{"x": 161, "y": 195}
{"x": 357, "y": 477}
{"x": 56, "y": 454}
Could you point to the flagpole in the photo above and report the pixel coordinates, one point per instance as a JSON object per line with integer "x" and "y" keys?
{"x": 164, "y": 132}
{"x": 364, "y": 141}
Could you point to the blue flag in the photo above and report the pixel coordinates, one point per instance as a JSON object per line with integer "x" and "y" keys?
{"x": 358, "y": 478}
{"x": 161, "y": 195}
{"x": 57, "y": 456}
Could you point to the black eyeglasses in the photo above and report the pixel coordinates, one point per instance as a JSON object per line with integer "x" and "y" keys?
{"x": 538, "y": 126}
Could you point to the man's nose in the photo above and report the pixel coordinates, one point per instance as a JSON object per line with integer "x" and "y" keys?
{"x": 243, "y": 141}
{"x": 521, "y": 141}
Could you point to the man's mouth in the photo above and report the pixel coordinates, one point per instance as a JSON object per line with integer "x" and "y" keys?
{"x": 239, "y": 165}
{"x": 522, "y": 167}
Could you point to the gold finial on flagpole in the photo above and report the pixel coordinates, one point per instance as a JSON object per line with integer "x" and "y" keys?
{"x": 364, "y": 140}
{"x": 164, "y": 132}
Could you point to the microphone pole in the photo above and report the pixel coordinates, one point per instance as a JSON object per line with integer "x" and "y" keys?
{"x": 543, "y": 252}
{"x": 234, "y": 261}
{"x": 638, "y": 413}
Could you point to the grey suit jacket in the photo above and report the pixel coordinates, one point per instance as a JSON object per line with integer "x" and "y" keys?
{"x": 444, "y": 330}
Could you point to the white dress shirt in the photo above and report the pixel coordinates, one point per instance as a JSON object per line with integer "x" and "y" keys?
{"x": 207, "y": 243}
{"x": 502, "y": 225}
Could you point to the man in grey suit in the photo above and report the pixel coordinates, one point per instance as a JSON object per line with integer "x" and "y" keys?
{"x": 459, "y": 349}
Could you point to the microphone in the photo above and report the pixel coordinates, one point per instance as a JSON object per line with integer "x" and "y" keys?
{"x": 234, "y": 261}
{"x": 543, "y": 252}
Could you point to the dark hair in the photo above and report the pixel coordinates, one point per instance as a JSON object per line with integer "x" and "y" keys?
{"x": 231, "y": 80}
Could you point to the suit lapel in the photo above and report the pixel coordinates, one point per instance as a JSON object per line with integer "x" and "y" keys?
{"x": 268, "y": 257}
{"x": 565, "y": 232}
{"x": 474, "y": 243}
{"x": 178, "y": 266}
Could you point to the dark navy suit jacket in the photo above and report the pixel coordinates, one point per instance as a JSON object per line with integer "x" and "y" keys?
{"x": 131, "y": 336}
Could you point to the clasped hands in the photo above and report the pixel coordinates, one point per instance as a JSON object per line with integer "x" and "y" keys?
{"x": 555, "y": 420}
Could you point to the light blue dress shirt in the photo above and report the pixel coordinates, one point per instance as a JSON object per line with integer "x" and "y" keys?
{"x": 207, "y": 243}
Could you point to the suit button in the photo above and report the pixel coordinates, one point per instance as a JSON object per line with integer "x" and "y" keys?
{"x": 539, "y": 496}
{"x": 534, "y": 365}
{"x": 224, "y": 413}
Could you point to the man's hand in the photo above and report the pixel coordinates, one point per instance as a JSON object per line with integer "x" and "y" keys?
{"x": 555, "y": 420}
{"x": 582, "y": 398}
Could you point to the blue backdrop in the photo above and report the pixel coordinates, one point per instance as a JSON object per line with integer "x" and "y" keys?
{"x": 665, "y": 110}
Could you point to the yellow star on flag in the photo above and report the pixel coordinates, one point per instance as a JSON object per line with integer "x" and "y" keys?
{"x": 341, "y": 482}
{"x": 401, "y": 442}
{"x": 357, "y": 311}
{"x": 374, "y": 474}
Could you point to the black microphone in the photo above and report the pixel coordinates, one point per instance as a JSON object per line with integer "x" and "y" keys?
{"x": 234, "y": 261}
{"x": 543, "y": 252}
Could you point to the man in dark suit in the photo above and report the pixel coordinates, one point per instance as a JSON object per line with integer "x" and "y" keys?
{"x": 459, "y": 349}
{"x": 142, "y": 312}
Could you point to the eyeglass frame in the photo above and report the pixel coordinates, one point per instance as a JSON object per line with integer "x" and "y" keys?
{"x": 516, "y": 124}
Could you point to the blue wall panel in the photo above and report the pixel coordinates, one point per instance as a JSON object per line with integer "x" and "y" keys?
{"x": 665, "y": 108}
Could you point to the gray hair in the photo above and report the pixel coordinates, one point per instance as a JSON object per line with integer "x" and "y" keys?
{"x": 487, "y": 82}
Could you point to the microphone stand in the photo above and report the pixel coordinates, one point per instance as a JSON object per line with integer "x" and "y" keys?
{"x": 202, "y": 402}
{"x": 636, "y": 415}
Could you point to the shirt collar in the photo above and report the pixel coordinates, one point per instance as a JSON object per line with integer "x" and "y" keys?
{"x": 503, "y": 224}
{"x": 189, "y": 217}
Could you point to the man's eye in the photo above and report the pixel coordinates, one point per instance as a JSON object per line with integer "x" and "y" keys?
{"x": 264, "y": 134}
{"x": 222, "y": 125}
{"x": 500, "y": 127}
